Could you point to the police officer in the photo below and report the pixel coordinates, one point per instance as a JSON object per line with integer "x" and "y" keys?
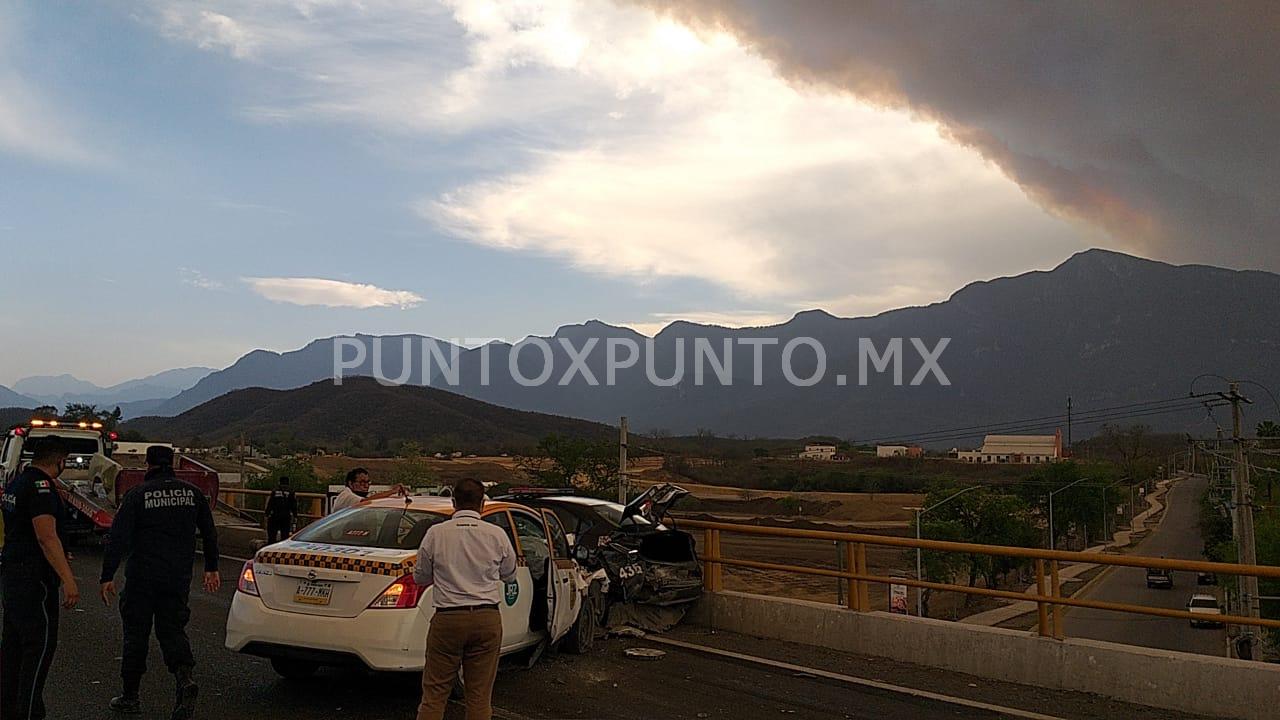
{"x": 156, "y": 526}
{"x": 282, "y": 510}
{"x": 464, "y": 559}
{"x": 34, "y": 562}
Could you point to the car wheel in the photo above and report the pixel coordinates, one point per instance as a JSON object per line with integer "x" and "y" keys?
{"x": 293, "y": 669}
{"x": 582, "y": 636}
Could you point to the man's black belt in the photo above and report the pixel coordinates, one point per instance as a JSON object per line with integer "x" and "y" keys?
{"x": 468, "y": 608}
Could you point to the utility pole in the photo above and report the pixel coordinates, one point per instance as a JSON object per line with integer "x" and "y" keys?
{"x": 622, "y": 462}
{"x": 1244, "y": 503}
{"x": 1068, "y": 425}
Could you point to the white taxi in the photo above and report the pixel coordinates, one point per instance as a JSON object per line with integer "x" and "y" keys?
{"x": 341, "y": 591}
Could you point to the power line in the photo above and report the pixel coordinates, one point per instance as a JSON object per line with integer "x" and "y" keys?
{"x": 1087, "y": 417}
{"x": 1056, "y": 418}
{"x": 1052, "y": 425}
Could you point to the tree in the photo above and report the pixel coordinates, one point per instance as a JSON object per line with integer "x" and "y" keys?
{"x": 939, "y": 567}
{"x": 1079, "y": 510}
{"x": 1268, "y": 429}
{"x": 1129, "y": 447}
{"x": 572, "y": 462}
{"x": 987, "y": 516}
{"x": 410, "y": 450}
{"x": 414, "y": 472}
{"x": 302, "y": 477}
{"x": 84, "y": 412}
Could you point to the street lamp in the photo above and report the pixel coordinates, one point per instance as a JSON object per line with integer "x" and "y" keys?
{"x": 919, "y": 511}
{"x": 1104, "y": 505}
{"x": 1052, "y": 544}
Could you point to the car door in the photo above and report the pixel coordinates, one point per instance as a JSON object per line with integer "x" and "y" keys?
{"x": 517, "y": 595}
{"x": 562, "y": 592}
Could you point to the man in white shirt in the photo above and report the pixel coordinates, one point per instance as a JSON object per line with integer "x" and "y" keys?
{"x": 357, "y": 491}
{"x": 465, "y": 560}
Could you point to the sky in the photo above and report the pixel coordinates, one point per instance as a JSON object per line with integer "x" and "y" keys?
{"x": 182, "y": 182}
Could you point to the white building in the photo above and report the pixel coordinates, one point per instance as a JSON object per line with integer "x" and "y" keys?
{"x": 818, "y": 452}
{"x": 1017, "y": 449}
{"x": 891, "y": 451}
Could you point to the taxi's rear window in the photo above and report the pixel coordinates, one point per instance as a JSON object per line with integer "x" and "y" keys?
{"x": 389, "y": 528}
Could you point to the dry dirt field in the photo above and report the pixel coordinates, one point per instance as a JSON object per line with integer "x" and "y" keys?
{"x": 872, "y": 513}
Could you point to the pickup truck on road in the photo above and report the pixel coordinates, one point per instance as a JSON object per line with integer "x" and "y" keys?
{"x": 1159, "y": 578}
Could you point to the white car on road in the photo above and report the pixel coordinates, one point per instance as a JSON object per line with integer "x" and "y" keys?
{"x": 341, "y": 591}
{"x": 1207, "y": 605}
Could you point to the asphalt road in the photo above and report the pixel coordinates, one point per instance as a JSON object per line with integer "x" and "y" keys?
{"x": 602, "y": 684}
{"x": 1178, "y": 536}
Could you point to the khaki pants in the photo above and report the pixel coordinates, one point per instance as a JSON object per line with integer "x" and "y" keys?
{"x": 470, "y": 639}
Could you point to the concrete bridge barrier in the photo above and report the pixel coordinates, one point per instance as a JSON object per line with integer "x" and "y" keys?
{"x": 1200, "y": 684}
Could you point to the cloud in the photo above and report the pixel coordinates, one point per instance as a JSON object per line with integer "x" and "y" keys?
{"x": 714, "y": 167}
{"x": 331, "y": 293}
{"x": 631, "y": 146}
{"x": 1153, "y": 121}
{"x": 197, "y": 279}
{"x": 30, "y": 123}
{"x": 210, "y": 30}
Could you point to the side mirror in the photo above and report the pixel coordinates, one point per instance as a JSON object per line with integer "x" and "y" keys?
{"x": 581, "y": 554}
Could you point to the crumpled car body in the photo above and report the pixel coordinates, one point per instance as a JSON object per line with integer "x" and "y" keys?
{"x": 646, "y": 561}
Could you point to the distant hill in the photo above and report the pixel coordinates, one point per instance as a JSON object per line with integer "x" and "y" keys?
{"x": 1104, "y": 328}
{"x": 328, "y": 415}
{"x": 134, "y": 397}
{"x": 9, "y": 398}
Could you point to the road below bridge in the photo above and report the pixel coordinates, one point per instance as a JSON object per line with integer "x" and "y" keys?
{"x": 1177, "y": 537}
{"x": 603, "y": 684}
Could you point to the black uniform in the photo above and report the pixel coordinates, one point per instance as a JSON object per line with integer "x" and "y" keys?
{"x": 282, "y": 507}
{"x": 156, "y": 527}
{"x": 30, "y": 596}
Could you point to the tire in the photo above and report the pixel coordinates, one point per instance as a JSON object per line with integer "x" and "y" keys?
{"x": 582, "y": 636}
{"x": 293, "y": 669}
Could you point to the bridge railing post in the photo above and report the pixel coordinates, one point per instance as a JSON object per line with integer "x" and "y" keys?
{"x": 1042, "y": 609}
{"x": 712, "y": 570}
{"x": 852, "y": 587}
{"x": 863, "y": 587}
{"x": 1056, "y": 592}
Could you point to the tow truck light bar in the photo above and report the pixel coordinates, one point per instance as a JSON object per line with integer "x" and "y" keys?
{"x": 54, "y": 423}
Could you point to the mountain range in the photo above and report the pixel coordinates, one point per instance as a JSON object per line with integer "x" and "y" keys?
{"x": 134, "y": 397}
{"x": 362, "y": 413}
{"x": 9, "y": 398}
{"x": 1103, "y": 328}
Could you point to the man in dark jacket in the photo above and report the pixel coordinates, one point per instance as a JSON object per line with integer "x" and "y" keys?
{"x": 282, "y": 511}
{"x": 35, "y": 563}
{"x": 156, "y": 527}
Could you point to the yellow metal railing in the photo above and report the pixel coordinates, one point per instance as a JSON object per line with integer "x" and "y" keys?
{"x": 1049, "y": 601}
{"x": 315, "y": 502}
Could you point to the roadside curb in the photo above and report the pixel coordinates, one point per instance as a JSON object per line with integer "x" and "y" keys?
{"x": 1156, "y": 503}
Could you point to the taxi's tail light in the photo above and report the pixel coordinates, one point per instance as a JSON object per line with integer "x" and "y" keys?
{"x": 248, "y": 583}
{"x": 400, "y": 595}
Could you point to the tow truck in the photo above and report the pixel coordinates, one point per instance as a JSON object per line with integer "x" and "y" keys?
{"x": 92, "y": 483}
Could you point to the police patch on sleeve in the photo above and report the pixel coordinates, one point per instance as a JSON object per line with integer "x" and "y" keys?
{"x": 43, "y": 486}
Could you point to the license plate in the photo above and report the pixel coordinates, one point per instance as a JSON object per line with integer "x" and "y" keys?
{"x": 313, "y": 593}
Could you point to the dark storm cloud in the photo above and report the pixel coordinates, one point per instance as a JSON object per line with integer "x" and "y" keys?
{"x": 1158, "y": 121}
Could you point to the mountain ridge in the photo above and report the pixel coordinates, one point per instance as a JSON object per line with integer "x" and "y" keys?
{"x": 361, "y": 412}
{"x": 1102, "y": 327}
